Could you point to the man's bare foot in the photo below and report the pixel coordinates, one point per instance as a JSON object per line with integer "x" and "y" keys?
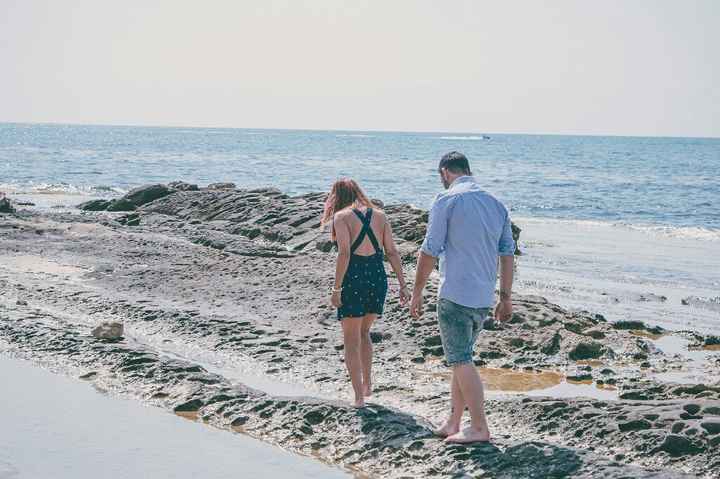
{"x": 368, "y": 390}
{"x": 359, "y": 403}
{"x": 447, "y": 430}
{"x": 469, "y": 435}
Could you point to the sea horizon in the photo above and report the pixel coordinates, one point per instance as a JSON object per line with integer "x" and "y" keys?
{"x": 357, "y": 130}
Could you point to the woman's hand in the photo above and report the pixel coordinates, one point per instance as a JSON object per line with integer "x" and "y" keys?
{"x": 335, "y": 299}
{"x": 404, "y": 295}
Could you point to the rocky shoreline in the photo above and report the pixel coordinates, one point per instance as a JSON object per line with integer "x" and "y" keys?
{"x": 212, "y": 280}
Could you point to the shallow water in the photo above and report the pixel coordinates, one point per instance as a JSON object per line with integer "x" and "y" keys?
{"x": 60, "y": 428}
{"x": 542, "y": 383}
{"x": 695, "y": 370}
{"x": 502, "y": 382}
{"x": 621, "y": 272}
{"x": 654, "y": 181}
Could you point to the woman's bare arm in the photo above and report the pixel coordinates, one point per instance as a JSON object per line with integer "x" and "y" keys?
{"x": 342, "y": 235}
{"x": 394, "y": 257}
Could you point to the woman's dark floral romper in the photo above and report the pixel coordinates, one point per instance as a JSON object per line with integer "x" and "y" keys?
{"x": 365, "y": 284}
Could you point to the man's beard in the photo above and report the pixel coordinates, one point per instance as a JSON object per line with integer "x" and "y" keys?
{"x": 445, "y": 182}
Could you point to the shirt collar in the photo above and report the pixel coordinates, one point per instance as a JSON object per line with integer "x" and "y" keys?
{"x": 462, "y": 179}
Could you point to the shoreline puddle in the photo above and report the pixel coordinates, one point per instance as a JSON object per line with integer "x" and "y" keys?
{"x": 695, "y": 371}
{"x": 543, "y": 383}
{"x": 499, "y": 381}
{"x": 509, "y": 380}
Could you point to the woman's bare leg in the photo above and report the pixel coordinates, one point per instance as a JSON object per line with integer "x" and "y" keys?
{"x": 351, "y": 337}
{"x": 366, "y": 351}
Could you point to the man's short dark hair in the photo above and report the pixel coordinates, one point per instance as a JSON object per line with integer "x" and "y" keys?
{"x": 455, "y": 162}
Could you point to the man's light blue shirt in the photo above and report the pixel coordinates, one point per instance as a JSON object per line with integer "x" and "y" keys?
{"x": 468, "y": 229}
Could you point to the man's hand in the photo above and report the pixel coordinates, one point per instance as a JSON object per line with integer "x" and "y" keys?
{"x": 416, "y": 305}
{"x": 503, "y": 310}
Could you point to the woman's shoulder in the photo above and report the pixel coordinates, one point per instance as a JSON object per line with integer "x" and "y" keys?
{"x": 342, "y": 214}
{"x": 380, "y": 214}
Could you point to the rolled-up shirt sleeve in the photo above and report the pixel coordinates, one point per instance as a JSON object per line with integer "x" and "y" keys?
{"x": 436, "y": 235}
{"x": 506, "y": 245}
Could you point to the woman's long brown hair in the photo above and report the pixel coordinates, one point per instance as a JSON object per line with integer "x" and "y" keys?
{"x": 344, "y": 192}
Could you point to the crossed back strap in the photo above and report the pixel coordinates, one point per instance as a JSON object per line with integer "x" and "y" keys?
{"x": 366, "y": 230}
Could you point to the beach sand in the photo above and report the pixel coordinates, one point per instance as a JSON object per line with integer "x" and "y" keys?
{"x": 223, "y": 298}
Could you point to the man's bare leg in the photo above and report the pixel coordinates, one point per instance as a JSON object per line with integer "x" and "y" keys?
{"x": 472, "y": 390}
{"x": 351, "y": 339}
{"x": 457, "y": 401}
{"x": 366, "y": 351}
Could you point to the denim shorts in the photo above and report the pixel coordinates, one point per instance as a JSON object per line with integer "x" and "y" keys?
{"x": 459, "y": 329}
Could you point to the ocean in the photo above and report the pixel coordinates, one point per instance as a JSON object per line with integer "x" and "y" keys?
{"x": 610, "y": 224}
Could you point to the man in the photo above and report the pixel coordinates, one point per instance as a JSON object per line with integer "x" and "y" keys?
{"x": 468, "y": 229}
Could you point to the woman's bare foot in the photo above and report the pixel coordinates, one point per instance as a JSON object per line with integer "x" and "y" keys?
{"x": 368, "y": 390}
{"x": 469, "y": 435}
{"x": 359, "y": 403}
{"x": 447, "y": 430}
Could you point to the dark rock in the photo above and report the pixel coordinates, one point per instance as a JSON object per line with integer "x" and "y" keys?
{"x": 145, "y": 194}
{"x": 120, "y": 205}
{"x": 637, "y": 325}
{"x": 552, "y": 347}
{"x": 189, "y": 406}
{"x": 575, "y": 327}
{"x": 595, "y": 334}
{"x": 183, "y": 186}
{"x": 678, "y": 427}
{"x": 6, "y": 206}
{"x": 712, "y": 410}
{"x": 629, "y": 325}
{"x": 95, "y": 205}
{"x": 634, "y": 425}
{"x": 376, "y": 337}
{"x": 133, "y": 219}
{"x": 586, "y": 351}
{"x": 434, "y": 340}
{"x": 677, "y": 445}
{"x": 239, "y": 421}
{"x": 325, "y": 245}
{"x": 712, "y": 427}
{"x": 692, "y": 408}
{"x": 221, "y": 186}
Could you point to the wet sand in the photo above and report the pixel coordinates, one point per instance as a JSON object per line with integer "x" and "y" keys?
{"x": 63, "y": 429}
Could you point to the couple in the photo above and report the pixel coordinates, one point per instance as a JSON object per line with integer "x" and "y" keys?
{"x": 468, "y": 230}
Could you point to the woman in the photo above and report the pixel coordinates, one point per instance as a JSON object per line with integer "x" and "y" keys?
{"x": 361, "y": 233}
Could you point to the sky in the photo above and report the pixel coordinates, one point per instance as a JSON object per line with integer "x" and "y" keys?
{"x": 617, "y": 67}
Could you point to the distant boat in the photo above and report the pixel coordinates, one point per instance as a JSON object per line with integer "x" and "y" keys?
{"x": 485, "y": 137}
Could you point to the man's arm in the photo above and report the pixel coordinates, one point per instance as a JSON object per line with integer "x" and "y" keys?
{"x": 432, "y": 247}
{"x": 506, "y": 250}
{"x": 425, "y": 265}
